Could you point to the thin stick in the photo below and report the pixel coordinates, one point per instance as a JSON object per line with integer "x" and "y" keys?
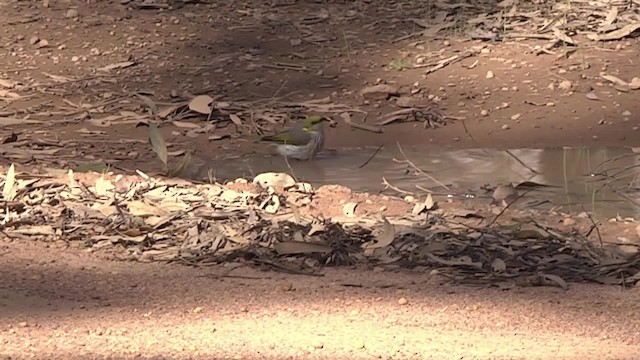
{"x": 521, "y": 162}
{"x": 371, "y": 157}
{"x": 464, "y": 125}
{"x": 420, "y": 170}
{"x": 290, "y": 169}
{"x": 386, "y": 183}
{"x": 506, "y": 207}
{"x": 594, "y": 226}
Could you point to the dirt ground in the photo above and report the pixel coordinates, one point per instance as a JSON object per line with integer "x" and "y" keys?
{"x": 61, "y": 303}
{"x": 72, "y": 305}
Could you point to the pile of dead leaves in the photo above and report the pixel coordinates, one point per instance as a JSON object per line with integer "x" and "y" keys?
{"x": 147, "y": 219}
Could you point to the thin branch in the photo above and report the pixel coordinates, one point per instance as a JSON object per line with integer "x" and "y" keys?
{"x": 521, "y": 162}
{"x": 420, "y": 171}
{"x": 388, "y": 185}
{"x": 371, "y": 157}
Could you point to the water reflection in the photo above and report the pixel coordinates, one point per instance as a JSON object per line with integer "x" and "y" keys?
{"x": 593, "y": 179}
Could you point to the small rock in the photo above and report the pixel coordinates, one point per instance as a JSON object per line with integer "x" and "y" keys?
{"x": 505, "y": 127}
{"x": 504, "y": 192}
{"x": 71, "y": 14}
{"x": 515, "y": 116}
{"x": 565, "y": 85}
{"x": 274, "y": 179}
{"x": 484, "y": 112}
{"x": 568, "y": 221}
{"x": 490, "y": 74}
{"x": 43, "y": 43}
{"x": 379, "y": 92}
{"x": 626, "y": 113}
{"x": 403, "y": 301}
{"x": 34, "y": 40}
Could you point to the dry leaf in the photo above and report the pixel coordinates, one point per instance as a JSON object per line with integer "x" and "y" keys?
{"x": 182, "y": 166}
{"x": 120, "y": 65}
{"x": 218, "y": 137}
{"x": 150, "y": 103}
{"x": 103, "y": 186}
{"x": 201, "y": 104}
{"x": 235, "y": 119}
{"x": 185, "y": 125}
{"x": 349, "y": 209}
{"x": 498, "y": 265}
{"x": 34, "y": 230}
{"x": 10, "y": 121}
{"x": 157, "y": 143}
{"x": 299, "y": 247}
{"x": 385, "y": 238}
{"x": 9, "y": 189}
{"x": 139, "y": 208}
{"x": 9, "y": 84}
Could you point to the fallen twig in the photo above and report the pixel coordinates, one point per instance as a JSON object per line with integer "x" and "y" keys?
{"x": 420, "y": 171}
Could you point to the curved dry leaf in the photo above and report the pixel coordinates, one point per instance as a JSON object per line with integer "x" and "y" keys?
{"x": 120, "y": 65}
{"x": 385, "y": 238}
{"x": 139, "y": 208}
{"x": 150, "y": 103}
{"x": 349, "y": 209}
{"x": 103, "y": 186}
{"x": 620, "y": 33}
{"x": 34, "y": 230}
{"x": 167, "y": 111}
{"x": 9, "y": 188}
{"x": 157, "y": 143}
{"x": 235, "y": 119}
{"x": 612, "y": 15}
{"x": 498, "y": 265}
{"x": 429, "y": 203}
{"x": 299, "y": 247}
{"x": 10, "y": 121}
{"x": 614, "y": 79}
{"x": 185, "y": 125}
{"x": 550, "y": 279}
{"x": 182, "y": 166}
{"x": 562, "y": 36}
{"x": 10, "y": 84}
{"x": 418, "y": 208}
{"x": 201, "y": 104}
{"x": 273, "y": 206}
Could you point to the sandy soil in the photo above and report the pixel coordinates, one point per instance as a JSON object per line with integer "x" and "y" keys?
{"x": 63, "y": 303}
{"x": 67, "y": 304}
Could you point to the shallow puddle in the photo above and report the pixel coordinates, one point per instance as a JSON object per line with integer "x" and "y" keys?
{"x": 600, "y": 180}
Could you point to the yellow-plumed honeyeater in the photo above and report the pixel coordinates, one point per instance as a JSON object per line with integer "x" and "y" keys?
{"x": 302, "y": 141}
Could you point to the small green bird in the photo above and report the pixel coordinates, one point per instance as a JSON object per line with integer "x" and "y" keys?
{"x": 303, "y": 141}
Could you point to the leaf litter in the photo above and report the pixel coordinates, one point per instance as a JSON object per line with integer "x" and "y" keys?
{"x": 143, "y": 218}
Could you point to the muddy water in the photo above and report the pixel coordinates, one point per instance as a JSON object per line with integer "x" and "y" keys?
{"x": 601, "y": 180}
